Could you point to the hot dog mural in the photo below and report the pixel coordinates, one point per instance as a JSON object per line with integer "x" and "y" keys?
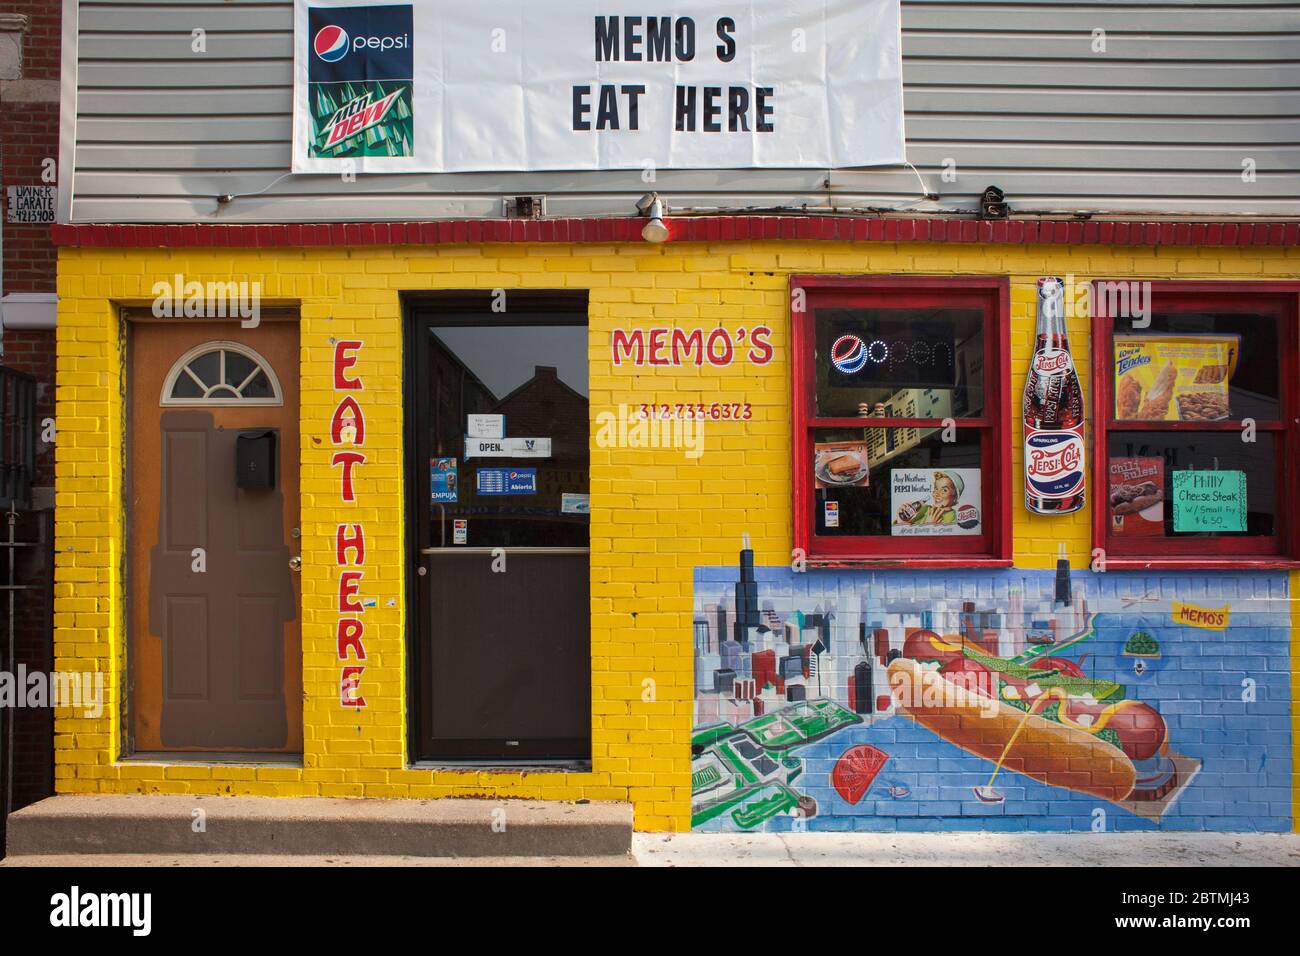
{"x": 1001, "y": 700}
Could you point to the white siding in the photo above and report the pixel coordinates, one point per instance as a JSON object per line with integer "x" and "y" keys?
{"x": 1010, "y": 91}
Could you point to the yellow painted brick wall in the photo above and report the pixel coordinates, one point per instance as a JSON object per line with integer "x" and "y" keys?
{"x": 656, "y": 513}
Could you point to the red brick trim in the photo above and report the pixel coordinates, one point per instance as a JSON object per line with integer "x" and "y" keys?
{"x": 685, "y": 229}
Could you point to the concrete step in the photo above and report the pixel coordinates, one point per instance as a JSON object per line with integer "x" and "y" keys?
{"x": 64, "y": 861}
{"x": 164, "y": 826}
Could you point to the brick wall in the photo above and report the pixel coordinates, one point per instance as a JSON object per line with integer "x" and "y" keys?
{"x": 658, "y": 514}
{"x": 29, "y": 132}
{"x": 41, "y": 43}
{"x": 29, "y": 136}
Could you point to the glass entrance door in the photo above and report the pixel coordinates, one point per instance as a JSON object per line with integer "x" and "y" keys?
{"x": 499, "y": 408}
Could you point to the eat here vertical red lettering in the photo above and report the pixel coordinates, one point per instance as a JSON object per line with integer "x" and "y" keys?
{"x": 348, "y": 426}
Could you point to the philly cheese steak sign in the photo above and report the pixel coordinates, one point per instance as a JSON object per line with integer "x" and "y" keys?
{"x": 444, "y": 86}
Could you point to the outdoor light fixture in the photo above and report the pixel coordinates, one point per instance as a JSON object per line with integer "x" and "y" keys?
{"x": 993, "y": 204}
{"x": 652, "y": 206}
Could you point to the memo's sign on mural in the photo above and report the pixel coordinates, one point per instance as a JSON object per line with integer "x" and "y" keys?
{"x": 443, "y": 86}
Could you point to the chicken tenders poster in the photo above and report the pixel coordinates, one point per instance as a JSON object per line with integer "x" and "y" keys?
{"x": 1001, "y": 700}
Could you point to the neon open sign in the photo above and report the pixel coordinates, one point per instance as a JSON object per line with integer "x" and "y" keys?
{"x": 851, "y": 353}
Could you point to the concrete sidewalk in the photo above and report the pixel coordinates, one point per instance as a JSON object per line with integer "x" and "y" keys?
{"x": 805, "y": 849}
{"x": 967, "y": 849}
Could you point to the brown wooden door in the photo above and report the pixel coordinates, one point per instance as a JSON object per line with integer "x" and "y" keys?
{"x": 215, "y": 628}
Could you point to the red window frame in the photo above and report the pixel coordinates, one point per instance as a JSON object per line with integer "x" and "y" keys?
{"x": 990, "y": 293}
{"x": 1227, "y": 553}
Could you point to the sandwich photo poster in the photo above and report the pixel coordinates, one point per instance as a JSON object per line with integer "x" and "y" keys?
{"x": 1137, "y": 496}
{"x": 841, "y": 464}
{"x": 877, "y": 700}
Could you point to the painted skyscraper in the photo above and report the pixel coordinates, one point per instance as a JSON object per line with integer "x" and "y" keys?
{"x": 746, "y": 595}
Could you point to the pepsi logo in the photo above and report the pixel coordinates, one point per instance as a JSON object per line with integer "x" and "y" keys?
{"x": 331, "y": 43}
{"x": 967, "y": 516}
{"x": 1054, "y": 362}
{"x": 849, "y": 354}
{"x": 1054, "y": 462}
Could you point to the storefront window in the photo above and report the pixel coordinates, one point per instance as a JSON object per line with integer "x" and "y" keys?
{"x": 1195, "y": 408}
{"x": 900, "y": 420}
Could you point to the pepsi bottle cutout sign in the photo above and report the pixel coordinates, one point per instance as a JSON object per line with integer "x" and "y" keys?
{"x": 1053, "y": 412}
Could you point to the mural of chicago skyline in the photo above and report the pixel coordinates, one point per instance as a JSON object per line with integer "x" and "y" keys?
{"x": 990, "y": 700}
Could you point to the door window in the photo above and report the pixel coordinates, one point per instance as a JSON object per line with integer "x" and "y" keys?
{"x": 508, "y": 436}
{"x": 221, "y": 373}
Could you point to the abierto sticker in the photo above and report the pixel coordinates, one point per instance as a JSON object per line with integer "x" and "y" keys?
{"x": 506, "y": 481}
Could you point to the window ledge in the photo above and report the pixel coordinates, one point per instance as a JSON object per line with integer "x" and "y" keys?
{"x": 909, "y": 562}
{"x": 1202, "y": 564}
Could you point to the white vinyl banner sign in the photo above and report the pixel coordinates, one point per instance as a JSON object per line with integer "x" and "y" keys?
{"x": 451, "y": 86}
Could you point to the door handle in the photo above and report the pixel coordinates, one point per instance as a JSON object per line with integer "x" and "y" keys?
{"x": 295, "y": 564}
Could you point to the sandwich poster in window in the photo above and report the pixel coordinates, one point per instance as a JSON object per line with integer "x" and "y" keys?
{"x": 1137, "y": 496}
{"x": 934, "y": 501}
{"x": 841, "y": 464}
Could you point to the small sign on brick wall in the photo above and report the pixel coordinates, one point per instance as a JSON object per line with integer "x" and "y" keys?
{"x": 31, "y": 204}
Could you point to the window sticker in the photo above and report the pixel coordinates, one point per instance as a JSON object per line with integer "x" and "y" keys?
{"x": 841, "y": 464}
{"x": 507, "y": 447}
{"x": 460, "y": 531}
{"x": 1209, "y": 500}
{"x": 506, "y": 481}
{"x": 442, "y": 480}
{"x": 485, "y": 426}
{"x": 574, "y": 504}
{"x": 934, "y": 501}
{"x": 1137, "y": 496}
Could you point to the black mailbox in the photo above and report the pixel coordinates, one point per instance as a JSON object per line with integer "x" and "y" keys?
{"x": 255, "y": 460}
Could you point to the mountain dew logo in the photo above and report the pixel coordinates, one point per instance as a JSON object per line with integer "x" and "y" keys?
{"x": 356, "y": 116}
{"x": 363, "y": 118}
